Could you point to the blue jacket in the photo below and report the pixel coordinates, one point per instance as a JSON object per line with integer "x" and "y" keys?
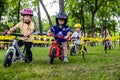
{"x": 60, "y": 32}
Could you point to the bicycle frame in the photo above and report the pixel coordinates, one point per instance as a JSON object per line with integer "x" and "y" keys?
{"x": 55, "y": 45}
{"x": 15, "y": 47}
{"x": 82, "y": 47}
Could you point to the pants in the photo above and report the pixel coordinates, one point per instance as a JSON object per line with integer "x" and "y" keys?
{"x": 28, "y": 46}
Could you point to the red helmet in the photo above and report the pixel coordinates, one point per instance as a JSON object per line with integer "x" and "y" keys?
{"x": 27, "y": 11}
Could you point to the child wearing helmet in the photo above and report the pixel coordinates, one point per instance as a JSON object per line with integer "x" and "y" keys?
{"x": 77, "y": 34}
{"x": 76, "y": 37}
{"x": 61, "y": 29}
{"x": 26, "y": 28}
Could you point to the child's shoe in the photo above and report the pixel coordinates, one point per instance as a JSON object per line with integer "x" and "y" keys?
{"x": 65, "y": 59}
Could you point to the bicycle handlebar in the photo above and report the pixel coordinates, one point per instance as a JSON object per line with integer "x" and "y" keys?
{"x": 15, "y": 34}
{"x": 62, "y": 37}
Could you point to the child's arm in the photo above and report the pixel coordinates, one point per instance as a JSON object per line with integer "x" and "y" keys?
{"x": 73, "y": 35}
{"x": 68, "y": 35}
{"x": 11, "y": 30}
{"x": 49, "y": 32}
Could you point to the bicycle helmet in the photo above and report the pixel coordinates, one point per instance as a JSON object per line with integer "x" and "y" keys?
{"x": 77, "y": 25}
{"x": 62, "y": 15}
{"x": 26, "y": 11}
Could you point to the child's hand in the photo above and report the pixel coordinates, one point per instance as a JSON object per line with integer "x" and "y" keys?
{"x": 9, "y": 32}
{"x": 26, "y": 35}
{"x": 48, "y": 34}
{"x": 66, "y": 37}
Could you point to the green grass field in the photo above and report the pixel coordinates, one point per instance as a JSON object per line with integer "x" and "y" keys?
{"x": 96, "y": 66}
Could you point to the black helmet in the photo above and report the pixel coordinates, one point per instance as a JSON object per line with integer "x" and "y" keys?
{"x": 62, "y": 15}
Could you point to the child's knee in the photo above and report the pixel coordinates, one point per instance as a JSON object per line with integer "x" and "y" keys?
{"x": 64, "y": 48}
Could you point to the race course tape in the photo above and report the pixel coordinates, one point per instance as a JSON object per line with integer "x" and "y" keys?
{"x": 49, "y": 40}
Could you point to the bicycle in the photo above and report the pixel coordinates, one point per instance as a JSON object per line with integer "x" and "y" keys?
{"x": 56, "y": 50}
{"x": 108, "y": 45}
{"x": 80, "y": 48}
{"x": 11, "y": 51}
{"x": 74, "y": 47}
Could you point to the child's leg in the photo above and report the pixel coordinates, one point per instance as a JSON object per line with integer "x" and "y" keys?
{"x": 28, "y": 55}
{"x": 64, "y": 45}
{"x": 20, "y": 43}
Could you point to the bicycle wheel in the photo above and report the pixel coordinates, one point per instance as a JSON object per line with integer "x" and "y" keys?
{"x": 61, "y": 56}
{"x": 72, "y": 51}
{"x": 8, "y": 59}
{"x": 52, "y": 56}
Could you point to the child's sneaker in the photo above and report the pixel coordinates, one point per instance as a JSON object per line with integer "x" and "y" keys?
{"x": 65, "y": 59}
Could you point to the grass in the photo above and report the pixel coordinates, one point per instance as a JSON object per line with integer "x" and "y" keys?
{"x": 97, "y": 66}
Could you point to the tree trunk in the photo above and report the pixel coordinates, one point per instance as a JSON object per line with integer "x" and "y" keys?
{"x": 92, "y": 27}
{"x": 2, "y": 2}
{"x": 39, "y": 19}
{"x": 92, "y": 24}
{"x": 61, "y": 5}
{"x": 50, "y": 22}
{"x": 102, "y": 29}
{"x": 18, "y": 10}
{"x": 82, "y": 19}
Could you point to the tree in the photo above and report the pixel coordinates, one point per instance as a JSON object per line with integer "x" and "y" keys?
{"x": 76, "y": 10}
{"x": 61, "y": 5}
{"x": 106, "y": 15}
{"x": 39, "y": 19}
{"x": 93, "y": 6}
{"x": 50, "y": 22}
{"x": 2, "y": 2}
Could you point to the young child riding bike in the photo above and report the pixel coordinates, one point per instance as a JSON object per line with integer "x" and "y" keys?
{"x": 107, "y": 42}
{"x": 76, "y": 36}
{"x": 61, "y": 29}
{"x": 26, "y": 28}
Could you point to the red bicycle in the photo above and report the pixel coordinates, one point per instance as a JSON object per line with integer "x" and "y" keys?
{"x": 56, "y": 50}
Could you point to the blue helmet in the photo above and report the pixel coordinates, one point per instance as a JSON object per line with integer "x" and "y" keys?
{"x": 62, "y": 15}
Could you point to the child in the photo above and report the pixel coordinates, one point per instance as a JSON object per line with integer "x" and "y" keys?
{"x": 61, "y": 29}
{"x": 26, "y": 28}
{"x": 107, "y": 42}
{"x": 76, "y": 36}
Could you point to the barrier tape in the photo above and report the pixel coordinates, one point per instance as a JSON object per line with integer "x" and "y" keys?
{"x": 49, "y": 40}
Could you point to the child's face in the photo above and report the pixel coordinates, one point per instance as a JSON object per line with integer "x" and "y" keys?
{"x": 77, "y": 29}
{"x": 61, "y": 21}
{"x": 26, "y": 18}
